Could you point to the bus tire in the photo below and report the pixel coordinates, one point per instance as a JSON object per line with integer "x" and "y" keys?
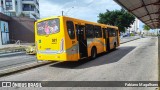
{"x": 115, "y": 45}
{"x": 93, "y": 53}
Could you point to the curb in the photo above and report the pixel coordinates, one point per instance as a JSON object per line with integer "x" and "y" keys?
{"x": 130, "y": 40}
{"x": 21, "y": 68}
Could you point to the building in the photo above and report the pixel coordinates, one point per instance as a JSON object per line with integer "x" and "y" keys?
{"x": 13, "y": 29}
{"x": 134, "y": 27}
{"x": 20, "y": 8}
{"x": 17, "y": 19}
{"x": 4, "y": 29}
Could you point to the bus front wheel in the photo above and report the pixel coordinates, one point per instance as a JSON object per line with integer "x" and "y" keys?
{"x": 93, "y": 53}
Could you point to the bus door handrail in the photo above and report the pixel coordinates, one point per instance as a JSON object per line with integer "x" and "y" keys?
{"x": 83, "y": 43}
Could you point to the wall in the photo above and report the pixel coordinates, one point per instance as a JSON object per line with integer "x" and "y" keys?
{"x": 22, "y": 29}
{"x": 4, "y": 17}
{"x": 19, "y": 28}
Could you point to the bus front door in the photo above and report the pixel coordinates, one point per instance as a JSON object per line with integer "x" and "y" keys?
{"x": 81, "y": 37}
{"x": 117, "y": 32}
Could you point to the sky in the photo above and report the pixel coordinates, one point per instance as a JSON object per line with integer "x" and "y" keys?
{"x": 81, "y": 9}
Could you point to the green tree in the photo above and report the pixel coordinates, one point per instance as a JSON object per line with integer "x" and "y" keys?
{"x": 120, "y": 18}
{"x": 145, "y": 27}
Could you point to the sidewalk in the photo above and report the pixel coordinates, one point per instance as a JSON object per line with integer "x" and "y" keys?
{"x": 14, "y": 45}
{"x": 11, "y": 49}
{"x": 128, "y": 39}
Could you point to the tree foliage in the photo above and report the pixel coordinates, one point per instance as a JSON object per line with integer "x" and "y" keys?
{"x": 120, "y": 18}
{"x": 145, "y": 27}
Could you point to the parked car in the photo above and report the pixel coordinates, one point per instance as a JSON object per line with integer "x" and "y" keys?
{"x": 31, "y": 50}
{"x": 125, "y": 35}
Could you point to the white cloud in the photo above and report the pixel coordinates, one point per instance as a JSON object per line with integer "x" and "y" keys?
{"x": 83, "y": 9}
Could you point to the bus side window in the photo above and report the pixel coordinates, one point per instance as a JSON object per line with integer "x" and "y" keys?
{"x": 70, "y": 29}
{"x": 77, "y": 32}
{"x": 112, "y": 32}
{"x": 89, "y": 30}
{"x": 98, "y": 31}
{"x": 104, "y": 32}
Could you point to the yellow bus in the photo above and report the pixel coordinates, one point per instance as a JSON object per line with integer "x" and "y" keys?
{"x": 62, "y": 38}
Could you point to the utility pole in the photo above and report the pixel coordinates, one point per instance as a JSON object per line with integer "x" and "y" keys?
{"x": 62, "y": 13}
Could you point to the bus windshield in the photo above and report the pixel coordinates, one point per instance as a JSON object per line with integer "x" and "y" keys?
{"x": 48, "y": 27}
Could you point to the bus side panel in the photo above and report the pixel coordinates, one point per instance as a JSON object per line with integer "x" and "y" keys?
{"x": 112, "y": 40}
{"x": 101, "y": 46}
{"x": 118, "y": 38}
{"x": 90, "y": 44}
{"x": 98, "y": 43}
{"x": 71, "y": 44}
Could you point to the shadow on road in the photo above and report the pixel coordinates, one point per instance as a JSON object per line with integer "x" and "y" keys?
{"x": 105, "y": 58}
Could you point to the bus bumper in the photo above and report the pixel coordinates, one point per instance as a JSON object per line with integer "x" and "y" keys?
{"x": 57, "y": 57}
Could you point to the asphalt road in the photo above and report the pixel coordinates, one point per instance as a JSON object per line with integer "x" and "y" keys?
{"x": 132, "y": 61}
{"x": 15, "y": 60}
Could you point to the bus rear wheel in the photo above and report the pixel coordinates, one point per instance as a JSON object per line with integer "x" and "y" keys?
{"x": 93, "y": 53}
{"x": 115, "y": 45}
